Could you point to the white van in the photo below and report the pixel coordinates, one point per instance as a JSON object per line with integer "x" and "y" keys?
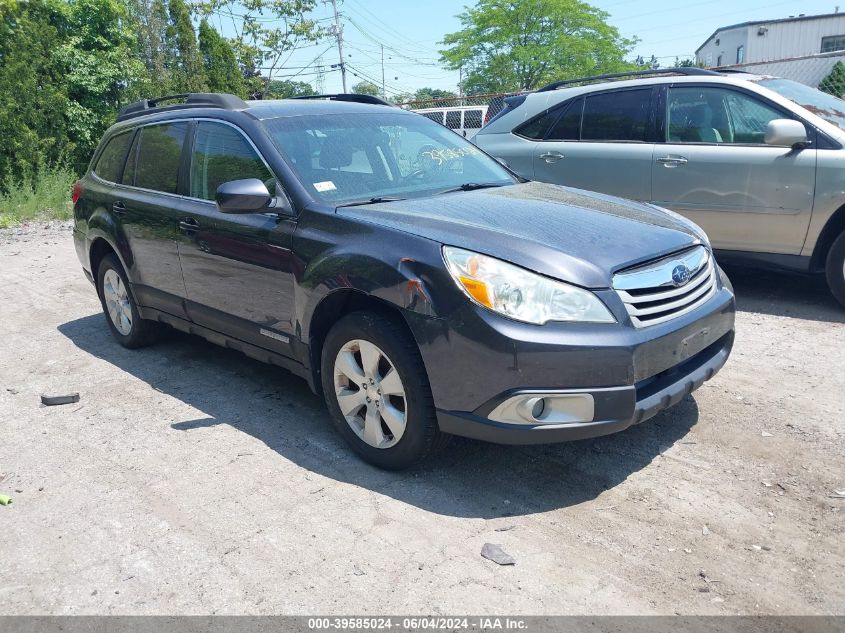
{"x": 465, "y": 120}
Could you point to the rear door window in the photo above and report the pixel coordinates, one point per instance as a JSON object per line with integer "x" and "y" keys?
{"x": 536, "y": 128}
{"x": 568, "y": 126}
{"x": 159, "y": 155}
{"x": 110, "y": 164}
{"x": 616, "y": 116}
{"x": 221, "y": 153}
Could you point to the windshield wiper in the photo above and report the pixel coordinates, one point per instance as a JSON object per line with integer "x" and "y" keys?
{"x": 376, "y": 200}
{"x": 472, "y": 186}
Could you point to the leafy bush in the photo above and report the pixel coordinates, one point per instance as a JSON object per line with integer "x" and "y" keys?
{"x": 47, "y": 199}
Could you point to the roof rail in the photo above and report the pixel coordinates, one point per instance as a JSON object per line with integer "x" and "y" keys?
{"x": 192, "y": 100}
{"x": 353, "y": 97}
{"x": 634, "y": 73}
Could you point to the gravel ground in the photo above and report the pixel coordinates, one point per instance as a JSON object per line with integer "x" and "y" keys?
{"x": 189, "y": 479}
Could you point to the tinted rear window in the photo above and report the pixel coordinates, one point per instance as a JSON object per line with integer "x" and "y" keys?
{"x": 616, "y": 116}
{"x": 110, "y": 163}
{"x": 536, "y": 129}
{"x": 158, "y": 157}
{"x": 568, "y": 126}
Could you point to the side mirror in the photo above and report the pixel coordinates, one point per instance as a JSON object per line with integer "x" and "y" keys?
{"x": 243, "y": 196}
{"x": 786, "y": 133}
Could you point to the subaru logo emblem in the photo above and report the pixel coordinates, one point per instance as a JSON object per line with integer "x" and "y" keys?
{"x": 680, "y": 275}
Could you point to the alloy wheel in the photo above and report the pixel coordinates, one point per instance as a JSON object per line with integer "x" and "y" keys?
{"x": 370, "y": 393}
{"x": 117, "y": 302}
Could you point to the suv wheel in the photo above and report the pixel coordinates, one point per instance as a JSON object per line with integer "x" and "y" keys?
{"x": 128, "y": 327}
{"x": 835, "y": 269}
{"x": 377, "y": 391}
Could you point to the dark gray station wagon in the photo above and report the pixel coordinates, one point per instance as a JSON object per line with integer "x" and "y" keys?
{"x": 415, "y": 282}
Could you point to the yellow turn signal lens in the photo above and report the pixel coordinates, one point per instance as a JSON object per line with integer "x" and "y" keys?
{"x": 478, "y": 290}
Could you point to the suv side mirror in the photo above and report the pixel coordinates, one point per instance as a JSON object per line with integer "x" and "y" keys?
{"x": 786, "y": 133}
{"x": 243, "y": 196}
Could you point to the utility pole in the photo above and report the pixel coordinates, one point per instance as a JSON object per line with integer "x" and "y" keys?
{"x": 338, "y": 31}
{"x": 383, "y": 92}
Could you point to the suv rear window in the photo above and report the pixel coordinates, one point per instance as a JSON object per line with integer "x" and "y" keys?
{"x": 536, "y": 129}
{"x": 111, "y": 159}
{"x": 616, "y": 116}
{"x": 159, "y": 155}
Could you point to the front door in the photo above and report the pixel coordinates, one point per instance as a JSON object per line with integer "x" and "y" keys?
{"x": 238, "y": 269}
{"x": 601, "y": 143}
{"x": 715, "y": 169}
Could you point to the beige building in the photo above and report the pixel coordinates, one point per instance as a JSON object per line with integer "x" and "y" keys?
{"x": 803, "y": 48}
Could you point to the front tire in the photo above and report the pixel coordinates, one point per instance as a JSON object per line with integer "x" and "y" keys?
{"x": 835, "y": 269}
{"x": 377, "y": 391}
{"x": 119, "y": 306}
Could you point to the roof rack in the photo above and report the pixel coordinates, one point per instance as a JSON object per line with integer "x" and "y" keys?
{"x": 353, "y": 97}
{"x": 634, "y": 73}
{"x": 192, "y": 100}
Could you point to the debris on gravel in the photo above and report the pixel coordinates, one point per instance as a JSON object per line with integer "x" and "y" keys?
{"x": 495, "y": 553}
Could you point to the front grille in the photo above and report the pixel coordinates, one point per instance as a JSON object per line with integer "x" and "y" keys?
{"x": 651, "y": 295}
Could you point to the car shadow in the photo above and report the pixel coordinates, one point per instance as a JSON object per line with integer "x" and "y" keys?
{"x": 784, "y": 293}
{"x": 467, "y": 479}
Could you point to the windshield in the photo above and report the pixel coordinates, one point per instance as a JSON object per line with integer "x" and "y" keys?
{"x": 823, "y": 105}
{"x": 342, "y": 158}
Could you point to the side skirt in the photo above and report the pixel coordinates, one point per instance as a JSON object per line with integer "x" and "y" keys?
{"x": 212, "y": 336}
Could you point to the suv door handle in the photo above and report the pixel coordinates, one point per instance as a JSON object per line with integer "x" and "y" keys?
{"x": 118, "y": 207}
{"x": 672, "y": 161}
{"x": 189, "y": 226}
{"x": 551, "y": 157}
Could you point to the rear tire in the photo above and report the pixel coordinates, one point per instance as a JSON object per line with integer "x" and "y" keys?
{"x": 835, "y": 268}
{"x": 372, "y": 365}
{"x": 119, "y": 306}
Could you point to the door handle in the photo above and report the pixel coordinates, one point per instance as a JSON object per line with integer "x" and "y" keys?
{"x": 672, "y": 161}
{"x": 189, "y": 226}
{"x": 551, "y": 157}
{"x": 118, "y": 207}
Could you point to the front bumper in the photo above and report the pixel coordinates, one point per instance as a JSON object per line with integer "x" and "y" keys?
{"x": 477, "y": 360}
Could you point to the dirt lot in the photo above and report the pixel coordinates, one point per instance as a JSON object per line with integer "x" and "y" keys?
{"x": 190, "y": 479}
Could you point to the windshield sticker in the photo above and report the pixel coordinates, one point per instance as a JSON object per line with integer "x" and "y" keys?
{"x": 440, "y": 156}
{"x": 326, "y": 185}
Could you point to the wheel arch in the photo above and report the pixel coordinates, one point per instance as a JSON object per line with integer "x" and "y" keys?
{"x": 834, "y": 227}
{"x": 331, "y": 309}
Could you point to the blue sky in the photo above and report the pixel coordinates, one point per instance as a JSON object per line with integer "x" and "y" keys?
{"x": 410, "y": 31}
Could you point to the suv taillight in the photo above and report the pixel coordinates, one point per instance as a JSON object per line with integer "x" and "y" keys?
{"x": 76, "y": 194}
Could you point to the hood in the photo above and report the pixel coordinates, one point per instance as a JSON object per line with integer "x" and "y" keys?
{"x": 569, "y": 234}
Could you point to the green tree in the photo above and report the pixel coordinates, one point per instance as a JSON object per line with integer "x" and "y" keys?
{"x": 366, "y": 88}
{"x": 219, "y": 62}
{"x": 283, "y": 89}
{"x": 266, "y": 32}
{"x": 33, "y": 103}
{"x": 834, "y": 83}
{"x": 510, "y": 45}
{"x": 184, "y": 57}
{"x": 100, "y": 68}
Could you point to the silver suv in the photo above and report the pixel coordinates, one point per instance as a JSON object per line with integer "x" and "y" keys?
{"x": 758, "y": 162}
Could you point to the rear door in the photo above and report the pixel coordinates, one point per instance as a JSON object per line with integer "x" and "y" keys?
{"x": 601, "y": 142}
{"x": 148, "y": 202}
{"x": 238, "y": 268}
{"x": 715, "y": 168}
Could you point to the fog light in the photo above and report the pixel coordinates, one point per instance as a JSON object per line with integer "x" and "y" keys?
{"x": 538, "y": 408}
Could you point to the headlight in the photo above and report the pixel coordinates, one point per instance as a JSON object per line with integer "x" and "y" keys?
{"x": 519, "y": 294}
